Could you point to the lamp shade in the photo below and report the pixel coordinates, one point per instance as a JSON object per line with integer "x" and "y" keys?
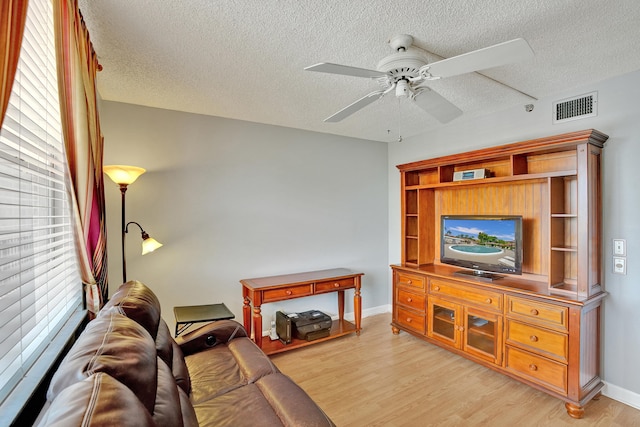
{"x": 123, "y": 175}
{"x": 149, "y": 245}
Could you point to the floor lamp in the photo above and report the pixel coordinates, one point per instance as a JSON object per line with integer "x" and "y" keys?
{"x": 124, "y": 176}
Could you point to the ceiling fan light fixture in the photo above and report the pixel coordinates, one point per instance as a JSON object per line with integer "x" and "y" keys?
{"x": 403, "y": 90}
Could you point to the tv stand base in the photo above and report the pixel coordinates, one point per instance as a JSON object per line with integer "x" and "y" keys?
{"x": 480, "y": 275}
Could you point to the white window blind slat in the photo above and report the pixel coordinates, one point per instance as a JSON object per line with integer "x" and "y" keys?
{"x": 9, "y": 314}
{"x": 40, "y": 285}
{"x": 10, "y": 294}
{"x": 8, "y": 359}
{"x": 11, "y": 336}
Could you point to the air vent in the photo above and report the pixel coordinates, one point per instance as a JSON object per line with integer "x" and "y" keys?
{"x": 578, "y": 107}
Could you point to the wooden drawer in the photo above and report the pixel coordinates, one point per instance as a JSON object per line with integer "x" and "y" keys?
{"x": 471, "y": 296}
{"x": 286, "y": 293}
{"x": 552, "y": 316}
{"x": 411, "y": 300}
{"x": 411, "y": 320}
{"x": 410, "y": 280}
{"x": 540, "y": 370}
{"x": 332, "y": 285}
{"x": 554, "y": 345}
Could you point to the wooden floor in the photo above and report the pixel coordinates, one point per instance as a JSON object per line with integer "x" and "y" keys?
{"x": 381, "y": 379}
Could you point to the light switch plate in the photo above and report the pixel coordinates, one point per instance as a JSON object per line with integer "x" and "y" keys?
{"x": 620, "y": 247}
{"x": 619, "y": 265}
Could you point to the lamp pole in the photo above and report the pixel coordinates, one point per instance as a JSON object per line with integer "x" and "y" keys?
{"x": 123, "y": 190}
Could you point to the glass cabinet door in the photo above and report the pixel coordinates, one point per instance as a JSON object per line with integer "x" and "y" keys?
{"x": 482, "y": 335}
{"x": 444, "y": 318}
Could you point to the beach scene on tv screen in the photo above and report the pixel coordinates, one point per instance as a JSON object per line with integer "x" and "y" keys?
{"x": 480, "y": 240}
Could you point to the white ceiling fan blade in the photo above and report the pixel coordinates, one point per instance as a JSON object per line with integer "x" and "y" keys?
{"x": 327, "y": 67}
{"x": 488, "y": 57}
{"x": 356, "y": 106}
{"x": 434, "y": 104}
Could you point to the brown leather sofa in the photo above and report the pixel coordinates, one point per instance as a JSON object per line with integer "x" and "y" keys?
{"x": 126, "y": 369}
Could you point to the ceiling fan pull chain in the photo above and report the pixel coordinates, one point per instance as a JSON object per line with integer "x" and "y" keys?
{"x": 399, "y": 119}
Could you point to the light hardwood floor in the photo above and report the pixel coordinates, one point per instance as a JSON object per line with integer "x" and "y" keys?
{"x": 381, "y": 379}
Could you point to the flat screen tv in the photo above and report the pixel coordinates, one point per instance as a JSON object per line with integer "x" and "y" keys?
{"x": 484, "y": 244}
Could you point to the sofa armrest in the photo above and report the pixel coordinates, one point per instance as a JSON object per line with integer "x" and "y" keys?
{"x": 210, "y": 335}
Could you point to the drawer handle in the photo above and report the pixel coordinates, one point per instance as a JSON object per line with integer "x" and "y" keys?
{"x": 533, "y": 367}
{"x": 533, "y": 338}
{"x": 336, "y": 285}
{"x": 409, "y": 320}
{"x": 534, "y": 312}
{"x": 436, "y": 288}
{"x": 488, "y": 301}
{"x": 409, "y": 282}
{"x": 409, "y": 299}
{"x": 288, "y": 292}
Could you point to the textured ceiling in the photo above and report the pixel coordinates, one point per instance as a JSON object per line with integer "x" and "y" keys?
{"x": 245, "y": 59}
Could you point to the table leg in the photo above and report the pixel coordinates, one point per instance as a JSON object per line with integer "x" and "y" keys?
{"x": 257, "y": 326}
{"x": 341, "y": 305}
{"x": 246, "y": 315}
{"x": 357, "y": 305}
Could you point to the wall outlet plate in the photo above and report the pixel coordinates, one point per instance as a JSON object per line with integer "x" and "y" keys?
{"x": 619, "y": 265}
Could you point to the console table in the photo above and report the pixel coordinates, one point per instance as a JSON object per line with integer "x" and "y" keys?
{"x": 263, "y": 290}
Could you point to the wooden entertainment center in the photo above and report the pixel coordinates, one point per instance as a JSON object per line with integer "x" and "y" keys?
{"x": 542, "y": 327}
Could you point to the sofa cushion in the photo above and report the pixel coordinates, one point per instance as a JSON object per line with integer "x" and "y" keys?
{"x": 164, "y": 343}
{"x": 293, "y": 405}
{"x": 253, "y": 363}
{"x": 189, "y": 418}
{"x": 241, "y": 407}
{"x": 115, "y": 345}
{"x": 213, "y": 372}
{"x": 98, "y": 401}
{"x": 137, "y": 302}
{"x": 167, "y": 410}
{"x": 169, "y": 351}
{"x": 179, "y": 369}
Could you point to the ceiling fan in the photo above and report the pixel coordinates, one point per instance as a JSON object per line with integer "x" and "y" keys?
{"x": 407, "y": 72}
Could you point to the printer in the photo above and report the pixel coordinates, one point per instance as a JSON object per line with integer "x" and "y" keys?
{"x": 307, "y": 325}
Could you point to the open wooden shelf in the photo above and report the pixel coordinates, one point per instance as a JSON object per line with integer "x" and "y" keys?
{"x": 338, "y": 329}
{"x": 495, "y": 180}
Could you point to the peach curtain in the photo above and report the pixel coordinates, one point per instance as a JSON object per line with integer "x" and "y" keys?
{"x": 13, "y": 14}
{"x": 77, "y": 69}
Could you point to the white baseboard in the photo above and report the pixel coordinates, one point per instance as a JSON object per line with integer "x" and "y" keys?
{"x": 368, "y": 312}
{"x": 621, "y": 395}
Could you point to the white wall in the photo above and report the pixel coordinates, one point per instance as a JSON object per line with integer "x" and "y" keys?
{"x": 233, "y": 200}
{"x": 618, "y": 117}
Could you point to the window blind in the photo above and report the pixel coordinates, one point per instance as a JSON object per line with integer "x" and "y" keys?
{"x": 40, "y": 285}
